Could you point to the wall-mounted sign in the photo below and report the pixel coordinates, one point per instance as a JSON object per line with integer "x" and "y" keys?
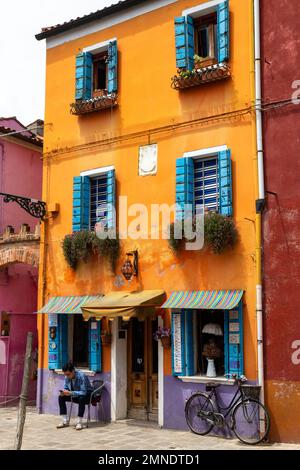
{"x": 233, "y": 315}
{"x": 177, "y": 344}
{"x": 234, "y": 327}
{"x": 148, "y": 160}
{"x": 234, "y": 339}
{"x": 53, "y": 320}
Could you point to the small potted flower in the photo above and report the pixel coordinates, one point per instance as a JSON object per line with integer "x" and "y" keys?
{"x": 164, "y": 335}
{"x": 106, "y": 337}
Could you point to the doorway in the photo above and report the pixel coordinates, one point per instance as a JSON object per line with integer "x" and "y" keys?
{"x": 142, "y": 363}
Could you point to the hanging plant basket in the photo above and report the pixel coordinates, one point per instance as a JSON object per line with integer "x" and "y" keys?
{"x": 106, "y": 338}
{"x": 80, "y": 246}
{"x": 165, "y": 341}
{"x": 220, "y": 233}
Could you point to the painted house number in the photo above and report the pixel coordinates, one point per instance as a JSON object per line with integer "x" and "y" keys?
{"x": 296, "y": 354}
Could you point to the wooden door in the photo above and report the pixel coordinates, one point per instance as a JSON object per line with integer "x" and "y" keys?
{"x": 142, "y": 370}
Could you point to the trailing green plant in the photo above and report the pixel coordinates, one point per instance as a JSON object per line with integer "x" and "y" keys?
{"x": 69, "y": 251}
{"x": 186, "y": 73}
{"x": 79, "y": 246}
{"x": 175, "y": 243}
{"x": 220, "y": 233}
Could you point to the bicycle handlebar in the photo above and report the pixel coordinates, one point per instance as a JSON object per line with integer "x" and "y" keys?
{"x": 238, "y": 380}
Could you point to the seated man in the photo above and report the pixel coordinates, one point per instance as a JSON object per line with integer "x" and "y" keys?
{"x": 76, "y": 387}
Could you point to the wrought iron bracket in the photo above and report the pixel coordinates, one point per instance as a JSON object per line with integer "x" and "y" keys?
{"x": 33, "y": 207}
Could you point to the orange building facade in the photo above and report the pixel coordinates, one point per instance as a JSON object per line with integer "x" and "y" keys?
{"x": 135, "y": 122}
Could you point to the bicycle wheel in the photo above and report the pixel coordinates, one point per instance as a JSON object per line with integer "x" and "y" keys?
{"x": 199, "y": 411}
{"x": 251, "y": 421}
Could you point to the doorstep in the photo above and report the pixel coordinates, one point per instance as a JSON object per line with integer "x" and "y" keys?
{"x": 137, "y": 422}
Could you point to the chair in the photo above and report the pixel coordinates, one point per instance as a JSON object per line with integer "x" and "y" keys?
{"x": 96, "y": 397}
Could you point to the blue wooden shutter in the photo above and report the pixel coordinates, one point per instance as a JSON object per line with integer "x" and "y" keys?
{"x": 84, "y": 66}
{"x": 223, "y": 31}
{"x": 233, "y": 340}
{"x": 81, "y": 203}
{"x": 190, "y": 43}
{"x": 189, "y": 338}
{"x": 178, "y": 344}
{"x": 112, "y": 86}
{"x": 184, "y": 42}
{"x": 111, "y": 199}
{"x": 225, "y": 183}
{"x": 58, "y": 346}
{"x": 184, "y": 185}
{"x": 94, "y": 345}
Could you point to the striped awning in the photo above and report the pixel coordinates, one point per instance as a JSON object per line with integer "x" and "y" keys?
{"x": 204, "y": 299}
{"x": 68, "y": 304}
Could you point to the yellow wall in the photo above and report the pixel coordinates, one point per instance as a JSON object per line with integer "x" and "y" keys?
{"x": 146, "y": 48}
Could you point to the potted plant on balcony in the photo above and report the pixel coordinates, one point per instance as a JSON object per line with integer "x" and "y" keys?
{"x": 164, "y": 335}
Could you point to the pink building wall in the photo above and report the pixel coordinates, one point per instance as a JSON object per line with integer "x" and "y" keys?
{"x": 20, "y": 174}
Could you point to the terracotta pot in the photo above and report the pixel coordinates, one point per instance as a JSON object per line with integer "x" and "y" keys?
{"x": 98, "y": 93}
{"x": 106, "y": 339}
{"x": 205, "y": 63}
{"x": 166, "y": 341}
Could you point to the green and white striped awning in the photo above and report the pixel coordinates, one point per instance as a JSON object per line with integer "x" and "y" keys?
{"x": 68, "y": 304}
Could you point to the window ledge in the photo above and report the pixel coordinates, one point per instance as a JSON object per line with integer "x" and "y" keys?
{"x": 201, "y": 76}
{"x": 94, "y": 104}
{"x": 201, "y": 379}
{"x": 87, "y": 372}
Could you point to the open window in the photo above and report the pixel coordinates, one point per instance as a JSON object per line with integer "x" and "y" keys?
{"x": 100, "y": 74}
{"x": 205, "y": 31}
{"x": 96, "y": 83}
{"x": 72, "y": 338}
{"x": 208, "y": 342}
{"x": 202, "y": 45}
{"x": 5, "y": 324}
{"x": 78, "y": 341}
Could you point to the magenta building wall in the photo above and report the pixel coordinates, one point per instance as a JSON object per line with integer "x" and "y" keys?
{"x": 21, "y": 174}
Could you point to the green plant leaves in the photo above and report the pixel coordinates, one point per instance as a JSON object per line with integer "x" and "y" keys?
{"x": 80, "y": 246}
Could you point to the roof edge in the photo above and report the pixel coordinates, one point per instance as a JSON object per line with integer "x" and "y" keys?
{"x": 99, "y": 14}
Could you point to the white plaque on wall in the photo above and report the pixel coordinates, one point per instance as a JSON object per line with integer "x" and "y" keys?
{"x": 148, "y": 160}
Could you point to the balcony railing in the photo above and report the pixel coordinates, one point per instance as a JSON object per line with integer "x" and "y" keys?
{"x": 212, "y": 73}
{"x": 98, "y": 103}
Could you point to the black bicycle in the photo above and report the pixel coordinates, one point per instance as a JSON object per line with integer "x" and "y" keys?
{"x": 246, "y": 416}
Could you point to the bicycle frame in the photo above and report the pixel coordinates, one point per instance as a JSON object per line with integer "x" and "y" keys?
{"x": 238, "y": 396}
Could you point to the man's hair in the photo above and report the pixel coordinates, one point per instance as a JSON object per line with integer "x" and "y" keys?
{"x": 68, "y": 367}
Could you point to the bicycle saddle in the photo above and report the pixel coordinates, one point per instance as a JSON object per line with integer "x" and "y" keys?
{"x": 212, "y": 385}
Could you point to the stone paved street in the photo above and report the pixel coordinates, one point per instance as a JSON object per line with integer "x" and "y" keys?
{"x": 41, "y": 434}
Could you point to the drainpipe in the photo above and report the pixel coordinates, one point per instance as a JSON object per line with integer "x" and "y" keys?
{"x": 261, "y": 197}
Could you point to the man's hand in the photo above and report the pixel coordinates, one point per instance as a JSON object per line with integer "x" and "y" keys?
{"x": 66, "y": 393}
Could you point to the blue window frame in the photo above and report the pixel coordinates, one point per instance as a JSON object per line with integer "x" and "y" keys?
{"x": 206, "y": 186}
{"x": 189, "y": 341}
{"x": 98, "y": 203}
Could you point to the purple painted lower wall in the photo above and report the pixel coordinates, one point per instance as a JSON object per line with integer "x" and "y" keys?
{"x": 176, "y": 393}
{"x": 51, "y": 383}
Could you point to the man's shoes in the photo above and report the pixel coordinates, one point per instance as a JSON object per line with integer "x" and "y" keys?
{"x": 78, "y": 427}
{"x": 63, "y": 424}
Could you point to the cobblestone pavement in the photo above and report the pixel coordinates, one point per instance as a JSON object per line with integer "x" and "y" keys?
{"x": 40, "y": 433}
